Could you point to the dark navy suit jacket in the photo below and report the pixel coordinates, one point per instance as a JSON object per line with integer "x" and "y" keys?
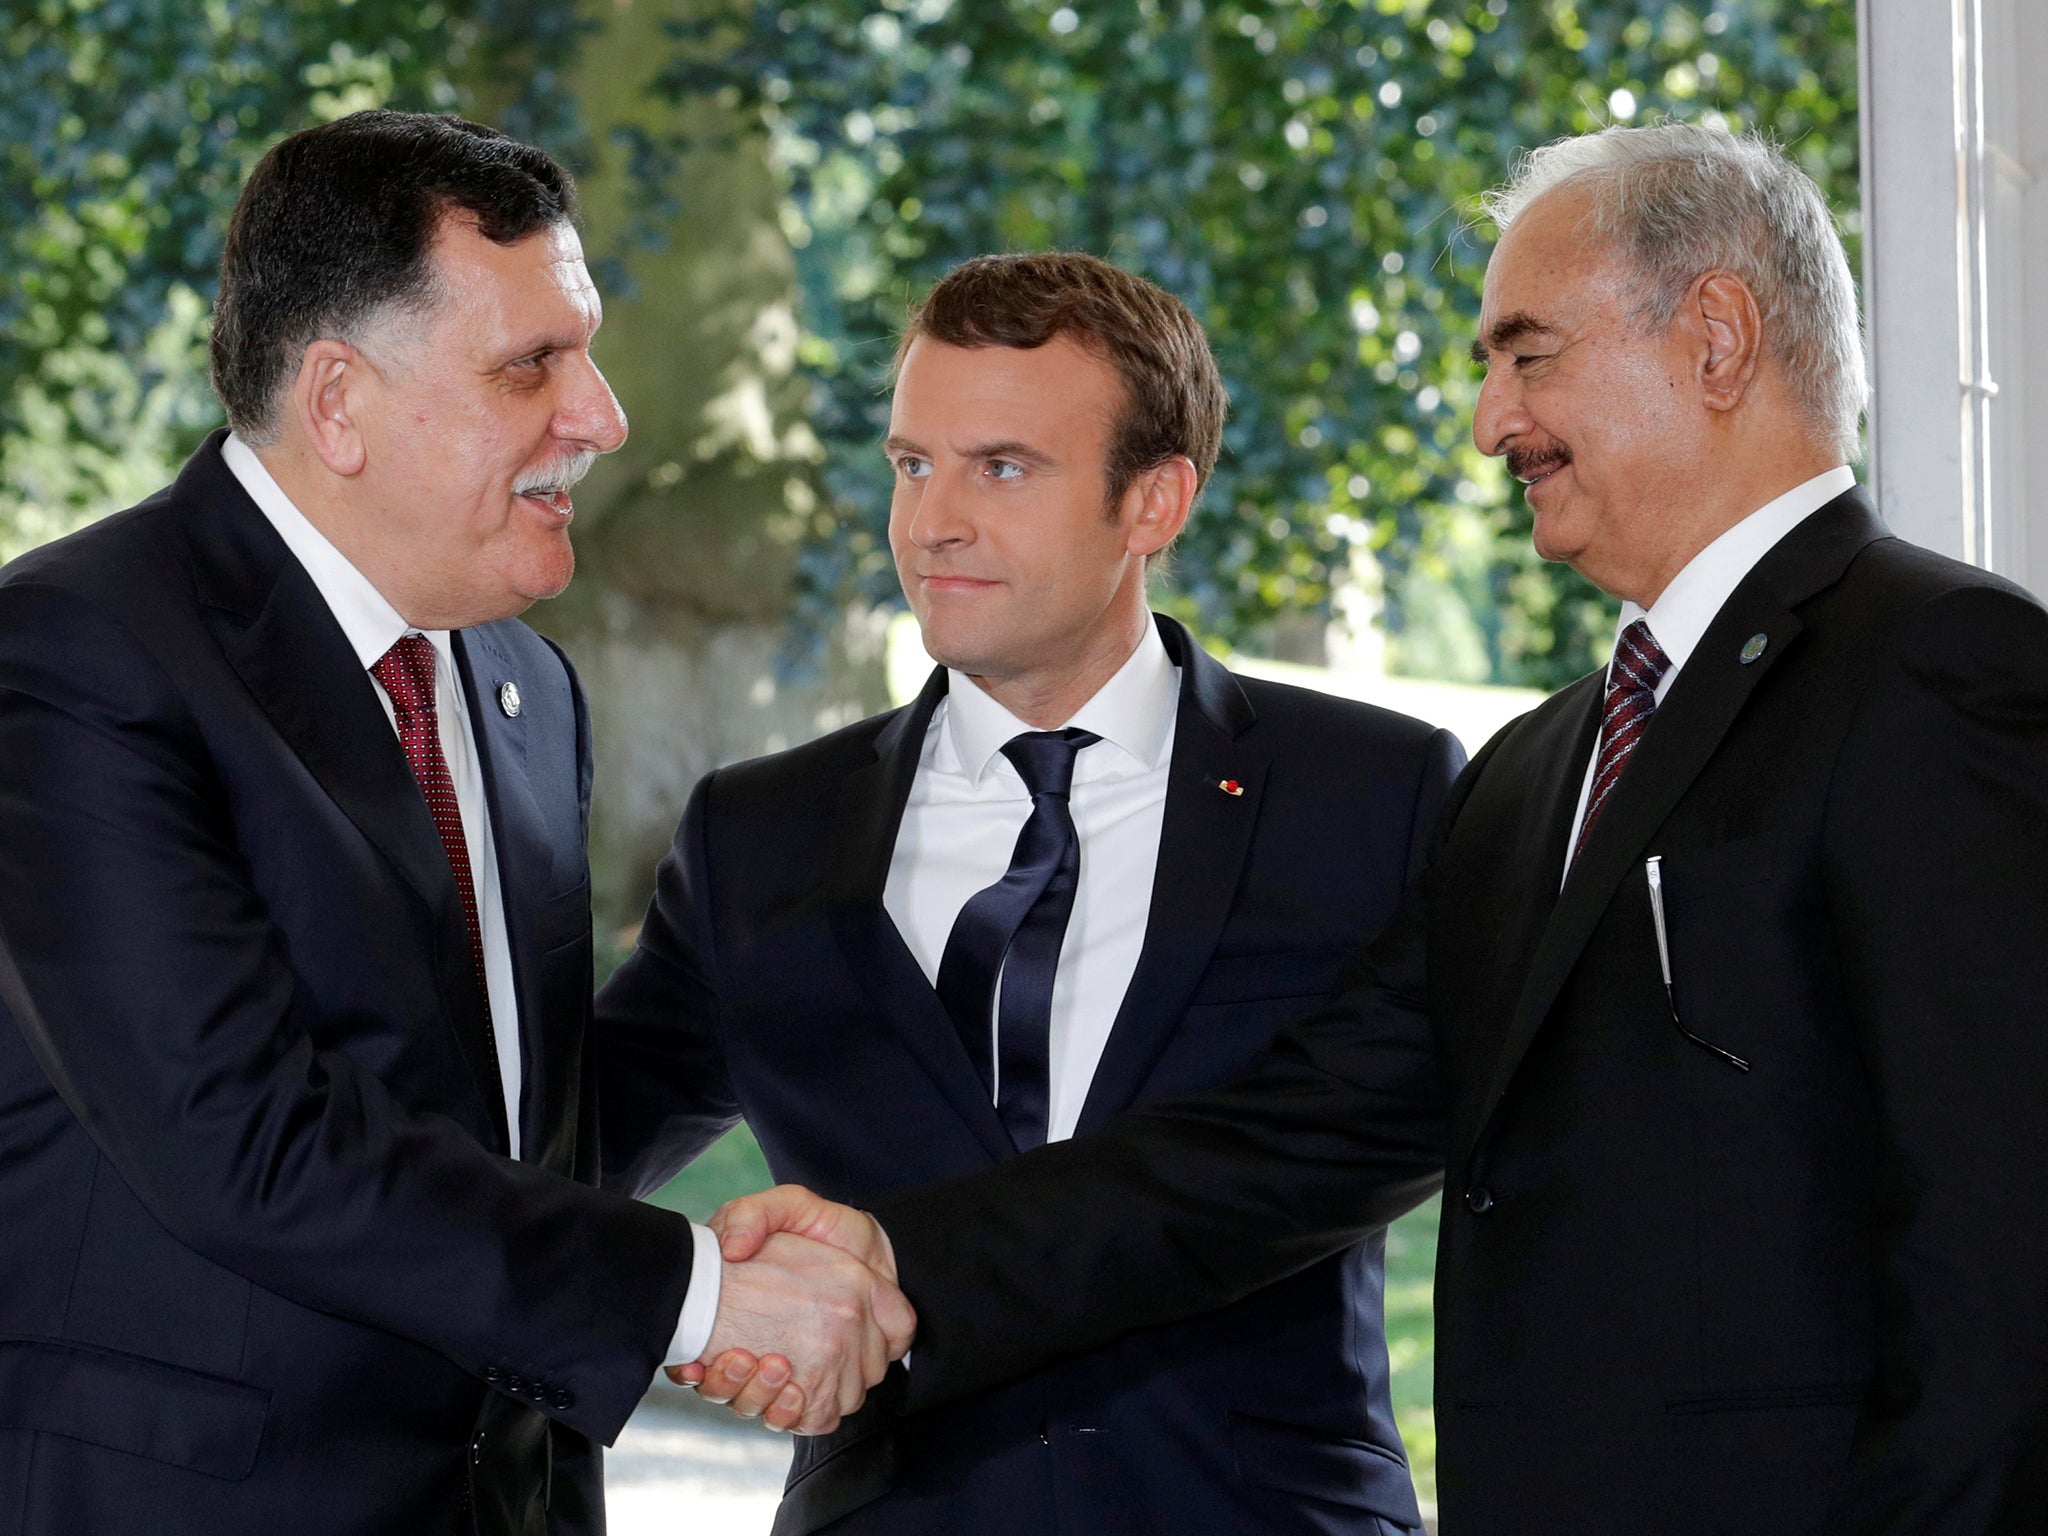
{"x": 1672, "y": 1297}
{"x": 266, "y": 1267}
{"x": 770, "y": 982}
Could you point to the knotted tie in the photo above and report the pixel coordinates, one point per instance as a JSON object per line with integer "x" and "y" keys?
{"x": 1013, "y": 929}
{"x": 1639, "y": 665}
{"x": 407, "y": 673}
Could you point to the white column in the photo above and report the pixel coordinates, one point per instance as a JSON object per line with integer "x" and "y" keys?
{"x": 1954, "y": 146}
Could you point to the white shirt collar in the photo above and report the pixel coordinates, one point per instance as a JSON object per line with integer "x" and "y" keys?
{"x": 1680, "y": 615}
{"x": 366, "y": 616}
{"x": 1133, "y": 711}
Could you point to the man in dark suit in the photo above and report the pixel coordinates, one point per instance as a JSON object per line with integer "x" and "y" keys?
{"x": 1196, "y": 852}
{"x": 1724, "y": 995}
{"x": 295, "y": 1156}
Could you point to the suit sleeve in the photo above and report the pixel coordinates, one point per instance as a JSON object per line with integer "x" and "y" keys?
{"x": 1186, "y": 1206}
{"x": 1443, "y": 759}
{"x": 664, "y": 1092}
{"x": 1938, "y": 866}
{"x": 140, "y": 963}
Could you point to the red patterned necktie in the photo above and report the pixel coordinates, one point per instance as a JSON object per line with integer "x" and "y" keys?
{"x": 1639, "y": 665}
{"x": 407, "y": 673}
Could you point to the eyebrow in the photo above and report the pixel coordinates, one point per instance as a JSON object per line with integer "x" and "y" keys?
{"x": 561, "y": 342}
{"x": 1007, "y": 448}
{"x": 1508, "y": 330}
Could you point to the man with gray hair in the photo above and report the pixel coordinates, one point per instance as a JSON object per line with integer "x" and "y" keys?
{"x": 1722, "y": 1002}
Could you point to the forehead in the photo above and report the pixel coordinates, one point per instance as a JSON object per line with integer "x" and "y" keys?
{"x": 1009, "y": 392}
{"x": 501, "y": 294}
{"x": 1549, "y": 267}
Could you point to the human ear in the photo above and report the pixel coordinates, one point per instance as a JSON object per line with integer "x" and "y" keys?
{"x": 327, "y": 398}
{"x": 1157, "y": 505}
{"x": 1728, "y": 327}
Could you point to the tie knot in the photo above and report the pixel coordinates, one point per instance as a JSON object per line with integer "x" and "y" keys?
{"x": 1045, "y": 759}
{"x": 407, "y": 673}
{"x": 1639, "y": 661}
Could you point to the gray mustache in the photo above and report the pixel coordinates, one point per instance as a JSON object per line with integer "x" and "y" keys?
{"x": 1527, "y": 466}
{"x": 556, "y": 477}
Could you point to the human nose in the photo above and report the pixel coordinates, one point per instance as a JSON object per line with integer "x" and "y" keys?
{"x": 590, "y": 412}
{"x": 937, "y": 516}
{"x": 1499, "y": 416}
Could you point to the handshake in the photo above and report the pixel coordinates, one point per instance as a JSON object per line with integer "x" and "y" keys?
{"x": 809, "y": 1315}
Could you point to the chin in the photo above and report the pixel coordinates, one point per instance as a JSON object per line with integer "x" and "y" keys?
{"x": 547, "y": 573}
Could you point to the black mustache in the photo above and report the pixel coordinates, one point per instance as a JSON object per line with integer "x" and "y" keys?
{"x": 1527, "y": 464}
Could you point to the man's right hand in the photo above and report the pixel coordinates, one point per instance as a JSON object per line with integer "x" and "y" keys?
{"x": 803, "y": 1330}
{"x": 743, "y": 1225}
{"x": 761, "y": 1384}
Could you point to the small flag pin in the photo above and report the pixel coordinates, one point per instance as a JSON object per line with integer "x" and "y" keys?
{"x": 1230, "y": 786}
{"x": 1753, "y": 647}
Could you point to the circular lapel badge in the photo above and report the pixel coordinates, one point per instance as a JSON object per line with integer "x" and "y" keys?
{"x": 1752, "y": 648}
{"x": 508, "y": 700}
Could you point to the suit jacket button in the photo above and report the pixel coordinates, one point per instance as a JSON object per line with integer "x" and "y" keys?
{"x": 493, "y": 1374}
{"x": 561, "y": 1399}
{"x": 1478, "y": 1199}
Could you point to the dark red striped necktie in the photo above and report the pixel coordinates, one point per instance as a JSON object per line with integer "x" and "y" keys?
{"x": 1639, "y": 665}
{"x": 407, "y": 673}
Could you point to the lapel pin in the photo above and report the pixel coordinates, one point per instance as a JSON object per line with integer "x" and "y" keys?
{"x": 508, "y": 700}
{"x": 1753, "y": 647}
{"x": 1230, "y": 786}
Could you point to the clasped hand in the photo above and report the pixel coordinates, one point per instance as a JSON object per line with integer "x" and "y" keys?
{"x": 809, "y": 1315}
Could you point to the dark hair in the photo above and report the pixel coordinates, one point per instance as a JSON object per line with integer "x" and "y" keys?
{"x": 338, "y": 222}
{"x": 1174, "y": 399}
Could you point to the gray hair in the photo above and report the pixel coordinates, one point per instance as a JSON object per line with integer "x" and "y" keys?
{"x": 1678, "y": 200}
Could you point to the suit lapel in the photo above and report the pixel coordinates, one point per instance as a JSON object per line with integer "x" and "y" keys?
{"x": 1683, "y": 735}
{"x": 865, "y": 822}
{"x": 280, "y": 637}
{"x": 525, "y": 862}
{"x": 1204, "y": 838}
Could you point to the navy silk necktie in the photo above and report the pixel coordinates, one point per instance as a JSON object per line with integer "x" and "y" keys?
{"x": 1014, "y": 929}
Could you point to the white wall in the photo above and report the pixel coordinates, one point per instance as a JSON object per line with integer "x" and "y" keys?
{"x": 1955, "y": 179}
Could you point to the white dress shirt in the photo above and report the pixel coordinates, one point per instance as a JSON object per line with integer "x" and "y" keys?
{"x": 1682, "y": 612}
{"x": 372, "y": 627}
{"x": 968, "y": 803}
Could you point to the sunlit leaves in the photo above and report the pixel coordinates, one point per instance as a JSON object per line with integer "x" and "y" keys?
{"x": 1304, "y": 174}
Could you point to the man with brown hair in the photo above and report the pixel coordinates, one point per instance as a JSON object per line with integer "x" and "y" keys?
{"x": 1085, "y": 869}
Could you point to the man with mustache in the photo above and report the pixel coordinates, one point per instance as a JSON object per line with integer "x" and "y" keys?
{"x": 296, "y": 1143}
{"x": 1723, "y": 999}
{"x": 835, "y": 951}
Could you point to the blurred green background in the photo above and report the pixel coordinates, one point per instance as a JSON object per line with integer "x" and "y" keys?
{"x": 768, "y": 185}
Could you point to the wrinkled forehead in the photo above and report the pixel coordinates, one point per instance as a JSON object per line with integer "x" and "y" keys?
{"x": 498, "y": 293}
{"x": 1551, "y": 265}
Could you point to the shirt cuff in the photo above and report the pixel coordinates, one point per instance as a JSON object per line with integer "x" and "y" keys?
{"x": 700, "y": 1303}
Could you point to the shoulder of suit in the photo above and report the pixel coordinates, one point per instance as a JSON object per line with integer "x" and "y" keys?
{"x": 1287, "y": 708}
{"x": 111, "y": 560}
{"x": 1904, "y": 576}
{"x": 1943, "y": 620}
{"x": 815, "y": 763}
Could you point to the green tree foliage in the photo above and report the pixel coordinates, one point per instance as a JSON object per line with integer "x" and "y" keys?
{"x": 126, "y": 127}
{"x": 1304, "y": 174}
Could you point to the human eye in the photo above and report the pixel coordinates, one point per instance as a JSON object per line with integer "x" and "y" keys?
{"x": 530, "y": 366}
{"x": 913, "y": 466}
{"x": 1005, "y": 469}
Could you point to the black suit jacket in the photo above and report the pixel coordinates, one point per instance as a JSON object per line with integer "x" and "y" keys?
{"x": 769, "y": 968}
{"x": 266, "y": 1266}
{"x": 1672, "y": 1297}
